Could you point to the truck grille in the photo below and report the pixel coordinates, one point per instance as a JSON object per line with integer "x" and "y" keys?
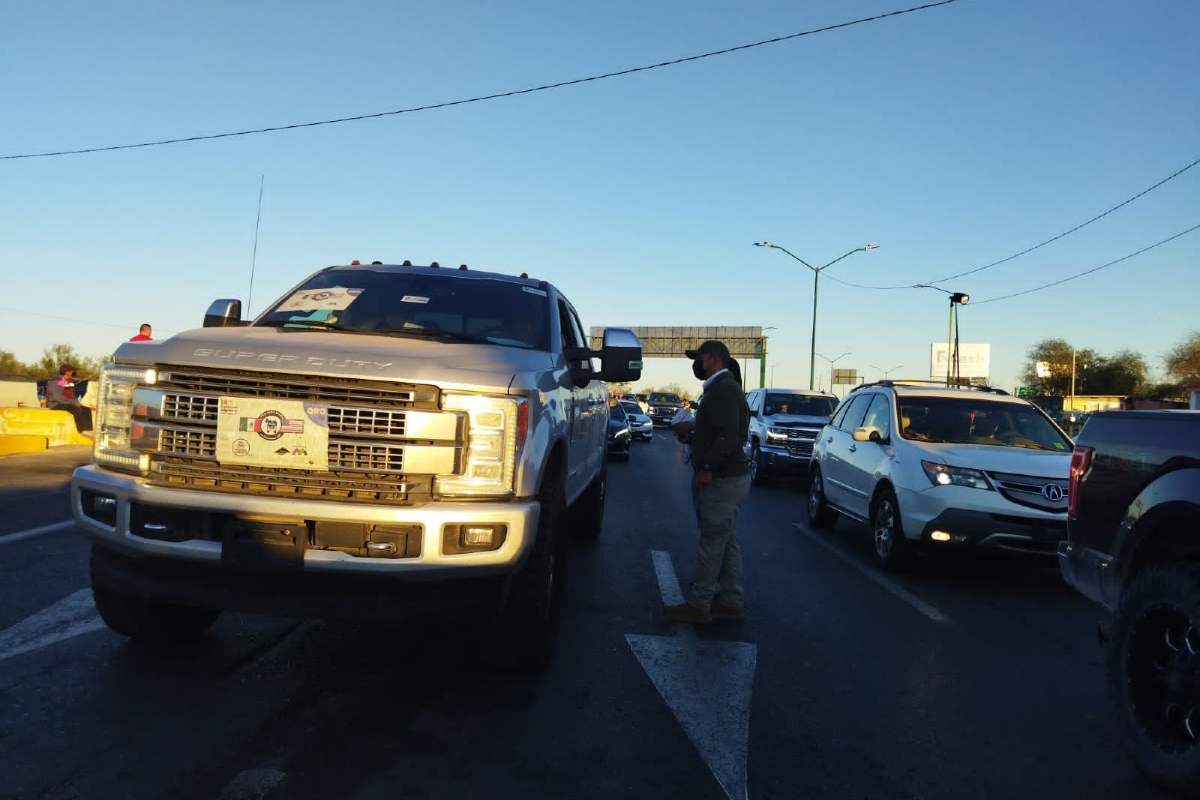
{"x": 371, "y": 425}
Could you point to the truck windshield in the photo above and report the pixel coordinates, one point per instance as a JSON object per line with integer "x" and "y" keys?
{"x": 968, "y": 421}
{"x": 804, "y": 405}
{"x": 451, "y": 308}
{"x": 660, "y": 397}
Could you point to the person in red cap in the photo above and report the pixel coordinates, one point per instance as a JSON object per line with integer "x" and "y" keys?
{"x": 143, "y": 334}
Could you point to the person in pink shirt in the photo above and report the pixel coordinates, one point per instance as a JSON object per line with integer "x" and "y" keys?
{"x": 60, "y": 396}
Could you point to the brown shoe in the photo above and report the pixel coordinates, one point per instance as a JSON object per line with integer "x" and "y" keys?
{"x": 723, "y": 613}
{"x": 685, "y": 612}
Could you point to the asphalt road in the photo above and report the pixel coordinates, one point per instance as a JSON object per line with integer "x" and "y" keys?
{"x": 963, "y": 679}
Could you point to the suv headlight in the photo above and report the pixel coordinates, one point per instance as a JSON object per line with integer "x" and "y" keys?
{"x": 776, "y": 435}
{"x": 943, "y": 475}
{"x": 496, "y": 429}
{"x": 114, "y": 418}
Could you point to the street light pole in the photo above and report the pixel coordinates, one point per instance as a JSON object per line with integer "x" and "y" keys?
{"x": 762, "y": 361}
{"x": 956, "y": 299}
{"x": 833, "y": 361}
{"x": 812, "y": 356}
{"x": 886, "y": 372}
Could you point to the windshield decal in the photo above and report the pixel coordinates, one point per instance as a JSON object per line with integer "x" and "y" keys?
{"x": 412, "y": 298}
{"x": 335, "y": 298}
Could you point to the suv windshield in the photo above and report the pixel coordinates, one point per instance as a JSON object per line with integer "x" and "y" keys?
{"x": 805, "y": 405}
{"x": 406, "y": 303}
{"x": 971, "y": 421}
{"x": 661, "y": 397}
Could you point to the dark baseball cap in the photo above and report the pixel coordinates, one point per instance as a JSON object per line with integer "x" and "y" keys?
{"x": 713, "y": 348}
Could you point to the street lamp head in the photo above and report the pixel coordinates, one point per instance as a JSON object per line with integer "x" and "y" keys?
{"x": 763, "y": 244}
{"x": 869, "y": 247}
{"x": 960, "y": 297}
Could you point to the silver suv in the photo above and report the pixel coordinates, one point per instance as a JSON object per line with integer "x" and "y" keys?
{"x": 942, "y": 467}
{"x": 382, "y": 440}
{"x": 784, "y": 425}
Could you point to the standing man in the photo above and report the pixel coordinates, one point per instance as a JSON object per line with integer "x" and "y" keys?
{"x": 143, "y": 334}
{"x": 720, "y": 486}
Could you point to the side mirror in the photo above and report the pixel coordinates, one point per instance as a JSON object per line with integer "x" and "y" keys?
{"x": 620, "y": 356}
{"x": 868, "y": 435}
{"x": 225, "y": 313}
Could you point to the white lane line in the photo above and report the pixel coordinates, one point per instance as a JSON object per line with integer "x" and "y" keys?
{"x": 72, "y": 616}
{"x": 929, "y": 610}
{"x": 668, "y": 584}
{"x": 19, "y": 536}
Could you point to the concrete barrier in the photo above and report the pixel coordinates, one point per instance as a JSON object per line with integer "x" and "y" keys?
{"x": 19, "y": 394}
{"x": 11, "y": 444}
{"x": 57, "y": 427}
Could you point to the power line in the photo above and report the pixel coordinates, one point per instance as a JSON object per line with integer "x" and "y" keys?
{"x": 481, "y": 98}
{"x": 1039, "y": 245}
{"x": 1114, "y": 262}
{"x": 63, "y": 319}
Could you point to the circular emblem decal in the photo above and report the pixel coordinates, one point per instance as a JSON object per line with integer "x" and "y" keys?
{"x": 1052, "y": 492}
{"x": 241, "y": 447}
{"x": 269, "y": 425}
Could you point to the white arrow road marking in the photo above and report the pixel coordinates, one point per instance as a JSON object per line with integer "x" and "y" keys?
{"x": 929, "y": 610}
{"x": 75, "y": 614}
{"x": 707, "y": 685}
{"x": 32, "y": 532}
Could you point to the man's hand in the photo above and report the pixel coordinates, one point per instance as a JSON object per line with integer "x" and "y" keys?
{"x": 682, "y": 429}
{"x": 703, "y": 478}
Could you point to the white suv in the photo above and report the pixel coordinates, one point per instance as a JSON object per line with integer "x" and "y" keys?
{"x": 939, "y": 466}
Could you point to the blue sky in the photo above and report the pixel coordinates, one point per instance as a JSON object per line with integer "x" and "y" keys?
{"x": 951, "y": 137}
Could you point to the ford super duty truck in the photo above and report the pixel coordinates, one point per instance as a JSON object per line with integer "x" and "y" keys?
{"x": 1133, "y": 546}
{"x": 382, "y": 441}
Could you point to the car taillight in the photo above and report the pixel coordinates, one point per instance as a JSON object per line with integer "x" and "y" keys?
{"x": 1081, "y": 459}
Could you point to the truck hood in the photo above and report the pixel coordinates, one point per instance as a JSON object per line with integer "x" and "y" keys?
{"x": 1013, "y": 460}
{"x": 795, "y": 421}
{"x": 478, "y": 367}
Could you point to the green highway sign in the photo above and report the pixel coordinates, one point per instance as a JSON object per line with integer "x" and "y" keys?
{"x": 1026, "y": 391}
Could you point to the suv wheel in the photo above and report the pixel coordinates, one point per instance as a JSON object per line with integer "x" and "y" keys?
{"x": 587, "y": 515}
{"x": 145, "y": 620}
{"x": 892, "y": 550}
{"x": 524, "y": 637}
{"x": 758, "y": 470}
{"x": 1154, "y": 673}
{"x": 820, "y": 515}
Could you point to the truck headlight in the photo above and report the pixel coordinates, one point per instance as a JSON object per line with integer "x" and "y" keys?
{"x": 942, "y": 475}
{"x": 776, "y": 435}
{"x": 496, "y": 429}
{"x": 114, "y": 418}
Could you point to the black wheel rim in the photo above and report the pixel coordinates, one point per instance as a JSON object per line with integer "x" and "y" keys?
{"x": 1162, "y": 672}
{"x": 814, "y": 496}
{"x": 885, "y": 529}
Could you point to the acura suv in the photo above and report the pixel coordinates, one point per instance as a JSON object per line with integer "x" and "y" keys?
{"x": 947, "y": 467}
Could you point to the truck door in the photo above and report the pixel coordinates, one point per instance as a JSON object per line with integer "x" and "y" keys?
{"x": 595, "y": 398}
{"x": 575, "y": 408}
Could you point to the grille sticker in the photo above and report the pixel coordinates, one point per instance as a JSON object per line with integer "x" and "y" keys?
{"x": 270, "y": 432}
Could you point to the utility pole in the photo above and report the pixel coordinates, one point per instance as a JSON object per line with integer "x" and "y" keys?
{"x": 956, "y": 299}
{"x": 1072, "y": 407}
{"x": 812, "y": 357}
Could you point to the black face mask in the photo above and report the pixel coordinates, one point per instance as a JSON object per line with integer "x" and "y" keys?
{"x": 698, "y": 370}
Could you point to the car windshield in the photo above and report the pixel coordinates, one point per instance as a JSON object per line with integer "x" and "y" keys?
{"x": 631, "y": 408}
{"x": 977, "y": 421}
{"x": 451, "y": 308}
{"x": 806, "y": 405}
{"x": 662, "y": 397}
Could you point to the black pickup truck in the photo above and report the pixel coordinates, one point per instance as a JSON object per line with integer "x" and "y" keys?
{"x": 1133, "y": 545}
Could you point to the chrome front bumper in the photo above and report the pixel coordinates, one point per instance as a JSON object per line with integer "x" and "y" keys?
{"x": 521, "y": 518}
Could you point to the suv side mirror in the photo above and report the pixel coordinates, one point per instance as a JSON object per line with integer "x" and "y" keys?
{"x": 868, "y": 435}
{"x": 620, "y": 355}
{"x": 225, "y": 313}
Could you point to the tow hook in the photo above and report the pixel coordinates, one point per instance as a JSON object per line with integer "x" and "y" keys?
{"x": 1102, "y": 634}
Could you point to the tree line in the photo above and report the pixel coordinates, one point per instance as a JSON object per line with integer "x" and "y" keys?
{"x": 47, "y": 366}
{"x": 1125, "y": 372}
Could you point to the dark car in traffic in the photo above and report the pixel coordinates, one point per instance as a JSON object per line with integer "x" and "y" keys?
{"x": 1133, "y": 546}
{"x": 663, "y": 406}
{"x": 619, "y": 436}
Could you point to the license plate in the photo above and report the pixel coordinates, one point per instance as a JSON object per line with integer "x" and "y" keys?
{"x": 262, "y": 432}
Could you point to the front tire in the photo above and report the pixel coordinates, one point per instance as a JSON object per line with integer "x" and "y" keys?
{"x": 1154, "y": 673}
{"x": 892, "y": 550}
{"x": 820, "y": 515}
{"x": 758, "y": 470}
{"x": 524, "y": 638}
{"x": 144, "y": 620}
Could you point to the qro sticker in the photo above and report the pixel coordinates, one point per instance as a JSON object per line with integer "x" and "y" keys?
{"x": 335, "y": 298}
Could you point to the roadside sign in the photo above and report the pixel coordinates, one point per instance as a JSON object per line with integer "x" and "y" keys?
{"x": 1026, "y": 391}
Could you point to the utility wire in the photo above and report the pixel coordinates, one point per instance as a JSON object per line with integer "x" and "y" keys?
{"x": 63, "y": 319}
{"x": 481, "y": 98}
{"x": 1114, "y": 262}
{"x": 1037, "y": 246}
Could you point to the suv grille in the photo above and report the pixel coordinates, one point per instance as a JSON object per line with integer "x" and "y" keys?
{"x": 1032, "y": 491}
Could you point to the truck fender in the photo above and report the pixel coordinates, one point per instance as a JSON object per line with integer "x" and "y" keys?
{"x": 1176, "y": 492}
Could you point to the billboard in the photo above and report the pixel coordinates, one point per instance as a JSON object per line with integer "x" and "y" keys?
{"x": 667, "y": 342}
{"x": 974, "y": 360}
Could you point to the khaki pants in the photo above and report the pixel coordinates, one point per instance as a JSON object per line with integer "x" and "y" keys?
{"x": 718, "y": 558}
